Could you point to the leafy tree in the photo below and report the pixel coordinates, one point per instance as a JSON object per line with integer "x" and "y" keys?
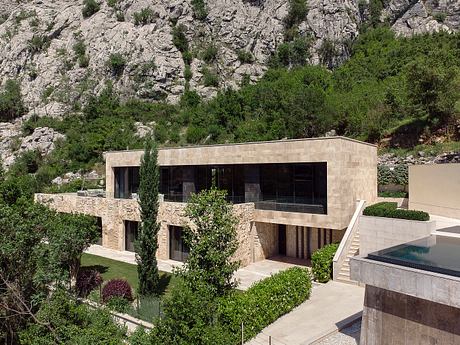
{"x": 179, "y": 38}
{"x": 212, "y": 242}
{"x": 433, "y": 88}
{"x": 63, "y": 320}
{"x": 147, "y": 244}
{"x": 11, "y": 103}
{"x": 69, "y": 236}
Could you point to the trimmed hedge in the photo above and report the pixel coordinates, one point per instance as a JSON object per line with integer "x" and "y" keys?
{"x": 321, "y": 262}
{"x": 390, "y": 210}
{"x": 265, "y": 301}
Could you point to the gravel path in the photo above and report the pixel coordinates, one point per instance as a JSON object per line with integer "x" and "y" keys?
{"x": 347, "y": 336}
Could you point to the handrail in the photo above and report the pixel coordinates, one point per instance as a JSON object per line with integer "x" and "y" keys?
{"x": 345, "y": 243}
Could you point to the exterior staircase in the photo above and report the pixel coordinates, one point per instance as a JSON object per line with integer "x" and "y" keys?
{"x": 348, "y": 248}
{"x": 344, "y": 273}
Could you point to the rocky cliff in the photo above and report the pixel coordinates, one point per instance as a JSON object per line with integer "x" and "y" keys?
{"x": 60, "y": 56}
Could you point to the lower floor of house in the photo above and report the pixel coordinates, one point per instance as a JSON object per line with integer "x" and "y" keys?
{"x": 265, "y": 240}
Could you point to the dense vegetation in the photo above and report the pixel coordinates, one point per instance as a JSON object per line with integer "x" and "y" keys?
{"x": 402, "y": 87}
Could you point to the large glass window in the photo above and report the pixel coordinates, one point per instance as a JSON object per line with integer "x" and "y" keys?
{"x": 126, "y": 182}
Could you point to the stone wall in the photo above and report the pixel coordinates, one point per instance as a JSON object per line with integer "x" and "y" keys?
{"x": 376, "y": 233}
{"x": 115, "y": 211}
{"x": 435, "y": 189}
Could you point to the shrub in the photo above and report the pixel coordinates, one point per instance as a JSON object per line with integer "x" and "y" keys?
{"x": 321, "y": 262}
{"x": 144, "y": 17}
{"x": 210, "y": 78}
{"x": 266, "y": 301}
{"x": 117, "y": 64}
{"x": 200, "y": 11}
{"x": 118, "y": 304}
{"x": 87, "y": 280}
{"x": 397, "y": 175}
{"x": 89, "y": 8}
{"x": 297, "y": 13}
{"x": 38, "y": 43}
{"x": 390, "y": 210}
{"x": 11, "y": 103}
{"x": 188, "y": 73}
{"x": 116, "y": 288}
{"x": 393, "y": 194}
{"x": 210, "y": 53}
{"x": 244, "y": 56}
{"x": 179, "y": 38}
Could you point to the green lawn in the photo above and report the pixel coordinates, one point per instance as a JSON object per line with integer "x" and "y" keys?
{"x": 111, "y": 269}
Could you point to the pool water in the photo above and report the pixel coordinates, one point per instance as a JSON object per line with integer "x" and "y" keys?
{"x": 434, "y": 253}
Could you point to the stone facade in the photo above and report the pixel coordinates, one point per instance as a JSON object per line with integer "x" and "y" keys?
{"x": 351, "y": 175}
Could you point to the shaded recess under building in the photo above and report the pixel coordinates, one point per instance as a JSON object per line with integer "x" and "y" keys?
{"x": 290, "y": 197}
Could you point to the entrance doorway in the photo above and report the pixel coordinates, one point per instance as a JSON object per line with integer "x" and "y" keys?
{"x": 178, "y": 250}
{"x": 282, "y": 239}
{"x": 131, "y": 232}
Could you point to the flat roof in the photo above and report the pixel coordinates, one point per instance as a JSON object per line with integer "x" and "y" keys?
{"x": 253, "y": 143}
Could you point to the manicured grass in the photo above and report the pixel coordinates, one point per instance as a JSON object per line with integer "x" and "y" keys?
{"x": 111, "y": 269}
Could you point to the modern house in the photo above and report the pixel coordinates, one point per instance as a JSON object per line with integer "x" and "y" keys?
{"x": 290, "y": 197}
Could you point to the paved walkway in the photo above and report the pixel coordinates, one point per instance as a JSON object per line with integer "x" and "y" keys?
{"x": 246, "y": 276}
{"x": 331, "y": 307}
{"x": 448, "y": 225}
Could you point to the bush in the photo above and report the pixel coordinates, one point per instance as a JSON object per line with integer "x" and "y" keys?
{"x": 244, "y": 56}
{"x": 11, "y": 103}
{"x": 117, "y": 64}
{"x": 87, "y": 280}
{"x": 390, "y": 210}
{"x": 89, "y": 8}
{"x": 398, "y": 175}
{"x": 179, "y": 38}
{"x": 116, "y": 288}
{"x": 199, "y": 9}
{"x": 266, "y": 301}
{"x": 118, "y": 304}
{"x": 210, "y": 53}
{"x": 321, "y": 262}
{"x": 393, "y": 194}
{"x": 144, "y": 17}
{"x": 210, "y": 79}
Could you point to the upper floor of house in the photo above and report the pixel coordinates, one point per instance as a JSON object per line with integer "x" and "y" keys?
{"x": 318, "y": 177}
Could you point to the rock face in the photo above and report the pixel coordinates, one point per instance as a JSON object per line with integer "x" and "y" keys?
{"x": 38, "y": 40}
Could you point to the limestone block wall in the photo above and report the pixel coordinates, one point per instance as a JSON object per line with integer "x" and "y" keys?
{"x": 351, "y": 171}
{"x": 435, "y": 189}
{"x": 376, "y": 233}
{"x": 265, "y": 240}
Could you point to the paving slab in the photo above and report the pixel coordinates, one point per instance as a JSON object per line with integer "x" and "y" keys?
{"x": 331, "y": 307}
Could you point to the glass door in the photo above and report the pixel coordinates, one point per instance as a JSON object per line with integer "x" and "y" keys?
{"x": 131, "y": 231}
{"x": 178, "y": 250}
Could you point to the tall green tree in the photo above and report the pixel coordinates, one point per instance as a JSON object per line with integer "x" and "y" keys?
{"x": 212, "y": 241}
{"x": 147, "y": 244}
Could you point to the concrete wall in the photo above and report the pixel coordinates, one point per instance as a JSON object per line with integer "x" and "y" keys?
{"x": 435, "y": 189}
{"x": 351, "y": 171}
{"x": 376, "y": 233}
{"x": 404, "y": 305}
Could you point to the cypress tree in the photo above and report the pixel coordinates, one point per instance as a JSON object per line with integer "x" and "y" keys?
{"x": 147, "y": 243}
